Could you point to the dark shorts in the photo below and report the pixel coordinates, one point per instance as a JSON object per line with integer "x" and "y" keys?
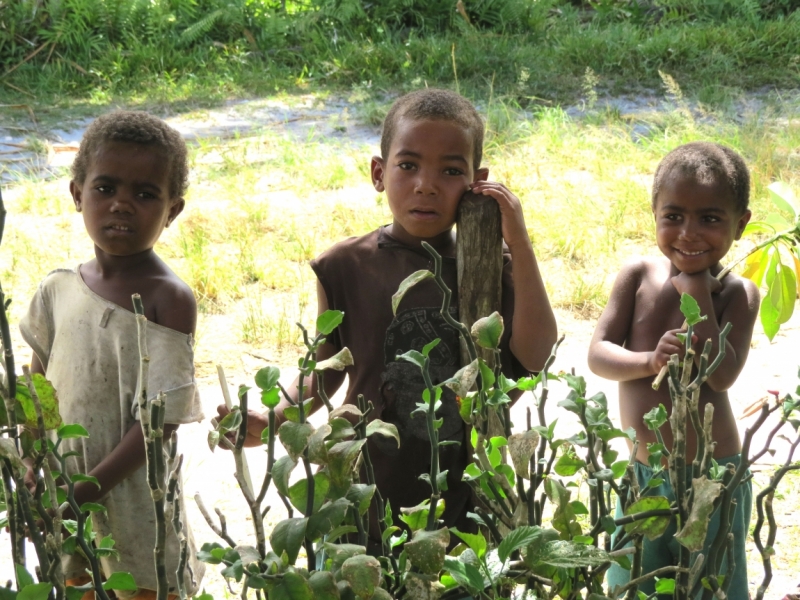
{"x": 663, "y": 551}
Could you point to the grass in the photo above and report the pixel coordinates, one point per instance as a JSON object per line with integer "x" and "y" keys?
{"x": 261, "y": 207}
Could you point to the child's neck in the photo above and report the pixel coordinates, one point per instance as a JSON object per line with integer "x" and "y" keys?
{"x": 444, "y": 243}
{"x": 108, "y": 266}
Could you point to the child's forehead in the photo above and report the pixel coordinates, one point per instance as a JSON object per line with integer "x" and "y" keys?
{"x": 687, "y": 189}
{"x": 432, "y": 132}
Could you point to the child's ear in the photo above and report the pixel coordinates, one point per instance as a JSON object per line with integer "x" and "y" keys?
{"x": 175, "y": 210}
{"x": 481, "y": 174}
{"x": 376, "y": 168}
{"x": 76, "y": 192}
{"x": 742, "y": 223}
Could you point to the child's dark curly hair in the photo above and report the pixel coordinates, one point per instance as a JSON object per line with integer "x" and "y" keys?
{"x": 136, "y": 127}
{"x": 707, "y": 162}
{"x": 436, "y": 105}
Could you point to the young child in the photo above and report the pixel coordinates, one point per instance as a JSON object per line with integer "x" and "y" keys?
{"x": 700, "y": 198}
{"x": 129, "y": 178}
{"x": 431, "y": 150}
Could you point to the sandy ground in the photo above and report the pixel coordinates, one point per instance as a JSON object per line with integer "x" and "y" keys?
{"x": 770, "y": 365}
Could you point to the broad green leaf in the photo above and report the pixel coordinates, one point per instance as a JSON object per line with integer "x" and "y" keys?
{"x": 339, "y": 553}
{"x": 691, "y": 310}
{"x": 384, "y": 429}
{"x": 292, "y": 413}
{"x": 488, "y": 331}
{"x": 341, "y": 429}
{"x": 317, "y": 451}
{"x": 337, "y": 362}
{"x": 704, "y": 493}
{"x": 566, "y": 555}
{"x": 24, "y": 578}
{"x": 267, "y": 378}
{"x": 769, "y": 318}
{"x": 120, "y": 581}
{"x": 48, "y": 399}
{"x": 575, "y": 382}
{"x": 329, "y": 320}
{"x": 363, "y": 573}
{"x": 406, "y": 285}
{"x": 233, "y": 571}
{"x": 783, "y": 197}
{"x": 568, "y": 464}
{"x": 293, "y": 586}
{"x": 35, "y": 591}
{"x": 323, "y": 586}
{"x": 78, "y": 477}
{"x": 327, "y": 518}
{"x": 522, "y": 447}
{"x": 652, "y": 527}
{"x": 655, "y": 417}
{"x": 414, "y": 357}
{"x": 416, "y": 517}
{"x": 777, "y": 221}
{"x": 426, "y": 350}
{"x": 294, "y": 437}
{"x": 287, "y": 536}
{"x": 281, "y": 471}
{"x": 665, "y": 586}
{"x": 579, "y": 507}
{"x": 475, "y": 541}
{"x": 756, "y": 265}
{"x": 360, "y": 494}
{"x": 72, "y": 431}
{"x": 487, "y": 376}
{"x": 271, "y": 398}
{"x": 756, "y": 227}
{"x": 341, "y": 458}
{"x": 783, "y": 292}
{"x": 516, "y": 539}
{"x": 298, "y": 493}
{"x": 427, "y": 549}
{"x": 231, "y": 421}
{"x": 465, "y": 574}
{"x": 93, "y": 507}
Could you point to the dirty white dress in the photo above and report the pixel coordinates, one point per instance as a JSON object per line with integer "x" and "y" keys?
{"x": 89, "y": 349}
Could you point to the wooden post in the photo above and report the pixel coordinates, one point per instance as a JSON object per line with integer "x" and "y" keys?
{"x": 479, "y": 261}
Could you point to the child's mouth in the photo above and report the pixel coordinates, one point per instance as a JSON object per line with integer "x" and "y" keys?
{"x": 691, "y": 253}
{"x": 122, "y": 228}
{"x": 425, "y": 215}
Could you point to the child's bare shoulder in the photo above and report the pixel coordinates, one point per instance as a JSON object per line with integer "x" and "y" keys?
{"x": 741, "y": 295}
{"x": 175, "y": 304}
{"x": 642, "y": 271}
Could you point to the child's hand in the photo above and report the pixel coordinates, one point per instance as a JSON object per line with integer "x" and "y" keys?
{"x": 696, "y": 284}
{"x": 668, "y": 345}
{"x": 513, "y": 222}
{"x": 256, "y": 423}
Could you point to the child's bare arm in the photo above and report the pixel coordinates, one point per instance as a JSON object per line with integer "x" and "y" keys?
{"x": 534, "y": 330}
{"x": 607, "y": 355}
{"x": 740, "y": 310}
{"x": 257, "y": 421}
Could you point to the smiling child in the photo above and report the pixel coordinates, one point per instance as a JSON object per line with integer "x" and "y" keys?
{"x": 700, "y": 198}
{"x": 129, "y": 178}
{"x": 431, "y": 150}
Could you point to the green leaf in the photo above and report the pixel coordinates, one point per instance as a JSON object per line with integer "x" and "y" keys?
{"x": 337, "y": 362}
{"x": 341, "y": 458}
{"x": 294, "y": 437}
{"x": 461, "y": 383}
{"x": 691, "y": 310}
{"x": 323, "y": 586}
{"x": 465, "y": 574}
{"x": 416, "y": 517}
{"x": 655, "y": 417}
{"x": 665, "y": 586}
{"x": 567, "y": 555}
{"x": 360, "y": 494}
{"x": 271, "y": 398}
{"x": 78, "y": 477}
{"x": 488, "y": 331}
{"x": 281, "y": 471}
{"x": 93, "y": 507}
{"x": 522, "y": 447}
{"x": 329, "y": 320}
{"x": 756, "y": 265}
{"x": 575, "y": 382}
{"x": 317, "y": 450}
{"x": 24, "y": 579}
{"x": 231, "y": 421}
{"x": 783, "y": 197}
{"x": 414, "y": 357}
{"x": 516, "y": 539}
{"x": 287, "y": 536}
{"x": 363, "y": 573}
{"x": 35, "y": 591}
{"x": 267, "y": 378}
{"x": 427, "y": 549}
{"x": 568, "y": 464}
{"x": 48, "y": 399}
{"x": 293, "y": 586}
{"x": 783, "y": 292}
{"x": 652, "y": 527}
{"x": 233, "y": 571}
{"x": 475, "y": 541}
{"x": 406, "y": 285}
{"x": 426, "y": 350}
{"x": 72, "y": 431}
{"x": 292, "y": 413}
{"x": 769, "y": 318}
{"x": 120, "y": 581}
{"x": 384, "y": 429}
{"x": 327, "y": 518}
{"x": 298, "y": 493}
{"x": 487, "y": 376}
{"x": 579, "y": 507}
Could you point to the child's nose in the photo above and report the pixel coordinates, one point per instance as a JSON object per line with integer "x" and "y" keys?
{"x": 425, "y": 184}
{"x": 689, "y": 229}
{"x": 122, "y": 202}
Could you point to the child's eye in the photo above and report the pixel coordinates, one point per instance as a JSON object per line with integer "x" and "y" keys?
{"x": 672, "y": 217}
{"x": 711, "y": 219}
{"x": 453, "y": 171}
{"x": 406, "y": 166}
{"x": 104, "y": 189}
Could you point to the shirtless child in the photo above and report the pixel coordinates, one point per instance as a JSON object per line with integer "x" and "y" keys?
{"x": 700, "y": 198}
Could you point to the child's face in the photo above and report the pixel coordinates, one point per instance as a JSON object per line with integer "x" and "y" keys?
{"x": 427, "y": 171}
{"x": 125, "y": 198}
{"x": 696, "y": 224}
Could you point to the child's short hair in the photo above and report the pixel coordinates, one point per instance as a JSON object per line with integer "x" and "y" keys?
{"x": 707, "y": 162}
{"x": 136, "y": 127}
{"x": 437, "y": 105}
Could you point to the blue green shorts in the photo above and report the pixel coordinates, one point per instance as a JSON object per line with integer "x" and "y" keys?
{"x": 663, "y": 551}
